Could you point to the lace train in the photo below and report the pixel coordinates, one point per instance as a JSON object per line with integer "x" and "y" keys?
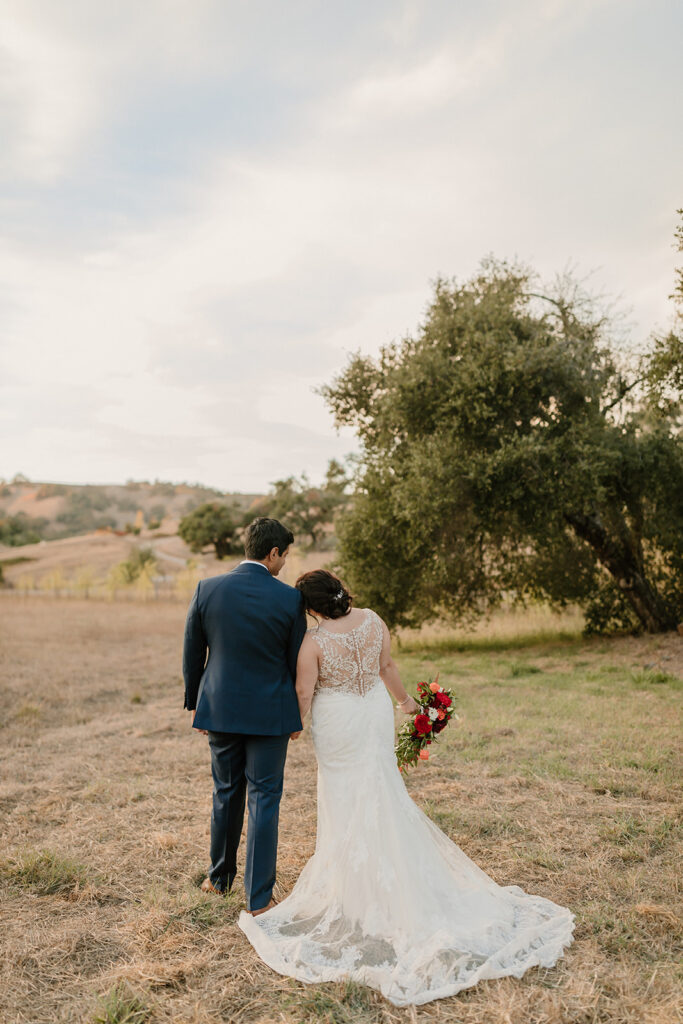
{"x": 387, "y": 899}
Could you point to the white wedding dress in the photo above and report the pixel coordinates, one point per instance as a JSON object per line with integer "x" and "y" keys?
{"x": 387, "y": 899}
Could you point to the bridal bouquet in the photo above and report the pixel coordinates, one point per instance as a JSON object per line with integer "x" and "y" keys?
{"x": 435, "y": 710}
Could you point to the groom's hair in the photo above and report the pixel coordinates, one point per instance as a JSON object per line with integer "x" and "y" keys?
{"x": 263, "y": 535}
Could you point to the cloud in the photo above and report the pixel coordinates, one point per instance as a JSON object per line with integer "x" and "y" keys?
{"x": 211, "y": 205}
{"x": 45, "y": 100}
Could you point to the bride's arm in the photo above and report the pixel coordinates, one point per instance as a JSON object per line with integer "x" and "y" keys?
{"x": 391, "y": 677}
{"x": 307, "y": 668}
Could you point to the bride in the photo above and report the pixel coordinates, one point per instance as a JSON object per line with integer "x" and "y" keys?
{"x": 387, "y": 899}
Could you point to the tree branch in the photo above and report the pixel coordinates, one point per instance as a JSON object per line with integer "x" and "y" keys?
{"x": 623, "y": 393}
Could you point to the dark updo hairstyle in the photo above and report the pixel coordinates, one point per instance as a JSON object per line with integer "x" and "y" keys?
{"x": 324, "y": 593}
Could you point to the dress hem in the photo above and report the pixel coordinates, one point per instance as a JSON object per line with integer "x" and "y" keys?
{"x": 545, "y": 956}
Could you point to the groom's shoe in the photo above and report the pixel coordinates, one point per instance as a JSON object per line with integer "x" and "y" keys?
{"x": 255, "y": 913}
{"x": 208, "y": 886}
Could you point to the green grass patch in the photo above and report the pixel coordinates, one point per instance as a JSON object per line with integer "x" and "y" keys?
{"x": 121, "y": 1005}
{"x": 342, "y": 1003}
{"x": 27, "y": 712}
{"x": 655, "y": 677}
{"x": 207, "y": 911}
{"x": 499, "y": 827}
{"x": 520, "y": 668}
{"x": 666, "y": 833}
{"x": 543, "y": 859}
{"x": 475, "y": 644}
{"x": 653, "y": 762}
{"x": 625, "y": 829}
{"x": 553, "y": 766}
{"x": 45, "y": 873}
{"x": 635, "y": 930}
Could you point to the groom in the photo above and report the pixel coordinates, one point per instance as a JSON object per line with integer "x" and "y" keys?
{"x": 243, "y": 696}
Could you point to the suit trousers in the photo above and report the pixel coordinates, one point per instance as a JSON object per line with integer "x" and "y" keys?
{"x": 251, "y": 767}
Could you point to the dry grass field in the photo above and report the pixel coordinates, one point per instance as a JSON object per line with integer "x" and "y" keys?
{"x": 561, "y": 776}
{"x": 80, "y": 566}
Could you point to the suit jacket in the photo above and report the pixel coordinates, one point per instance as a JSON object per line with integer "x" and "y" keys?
{"x": 252, "y": 626}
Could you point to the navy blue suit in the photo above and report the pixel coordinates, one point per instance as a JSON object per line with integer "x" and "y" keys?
{"x": 252, "y": 626}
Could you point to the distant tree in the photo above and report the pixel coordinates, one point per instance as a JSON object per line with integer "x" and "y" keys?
{"x": 308, "y": 510}
{"x": 85, "y": 580}
{"x": 186, "y": 580}
{"x": 145, "y": 583}
{"x": 211, "y": 523}
{"x": 164, "y": 488}
{"x": 83, "y": 512}
{"x": 336, "y": 485}
{"x": 508, "y": 450}
{"x": 54, "y": 581}
{"x": 139, "y": 561}
{"x": 21, "y": 529}
{"x": 50, "y": 491}
{"x": 26, "y": 583}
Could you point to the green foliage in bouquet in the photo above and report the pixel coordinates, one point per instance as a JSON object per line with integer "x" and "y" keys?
{"x": 435, "y": 710}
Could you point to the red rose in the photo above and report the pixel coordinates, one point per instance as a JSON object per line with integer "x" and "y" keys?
{"x": 443, "y": 699}
{"x": 422, "y": 724}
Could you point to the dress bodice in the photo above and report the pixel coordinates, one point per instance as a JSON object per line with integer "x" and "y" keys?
{"x": 350, "y": 660}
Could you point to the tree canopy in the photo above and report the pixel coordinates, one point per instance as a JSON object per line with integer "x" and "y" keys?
{"x": 210, "y": 523}
{"x": 308, "y": 511}
{"x": 21, "y": 529}
{"x": 510, "y": 449}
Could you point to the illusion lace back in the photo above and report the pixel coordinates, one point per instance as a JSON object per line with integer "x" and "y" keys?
{"x": 387, "y": 899}
{"x": 350, "y": 660}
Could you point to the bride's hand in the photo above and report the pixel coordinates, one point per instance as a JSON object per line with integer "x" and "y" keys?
{"x": 409, "y": 708}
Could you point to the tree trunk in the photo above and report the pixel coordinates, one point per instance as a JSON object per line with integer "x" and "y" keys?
{"x": 627, "y": 571}
{"x": 222, "y": 546}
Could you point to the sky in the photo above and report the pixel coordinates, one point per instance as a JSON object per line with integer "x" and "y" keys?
{"x": 207, "y": 206}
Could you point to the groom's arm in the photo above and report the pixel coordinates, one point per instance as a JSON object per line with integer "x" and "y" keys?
{"x": 194, "y": 652}
{"x": 296, "y": 636}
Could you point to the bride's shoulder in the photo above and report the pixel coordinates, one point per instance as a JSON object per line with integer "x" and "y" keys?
{"x": 372, "y": 614}
{"x": 375, "y": 617}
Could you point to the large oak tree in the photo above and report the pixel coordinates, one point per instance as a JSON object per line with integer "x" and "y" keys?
{"x": 508, "y": 449}
{"x": 210, "y": 524}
